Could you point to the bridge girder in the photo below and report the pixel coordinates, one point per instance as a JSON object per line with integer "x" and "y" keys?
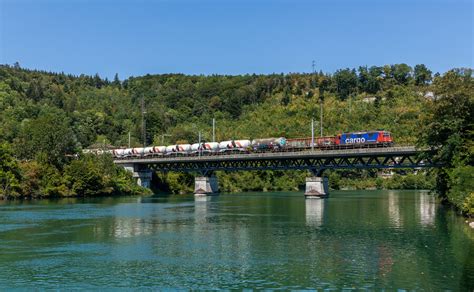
{"x": 316, "y": 163}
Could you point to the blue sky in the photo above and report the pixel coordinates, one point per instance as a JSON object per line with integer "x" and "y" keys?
{"x": 233, "y": 37}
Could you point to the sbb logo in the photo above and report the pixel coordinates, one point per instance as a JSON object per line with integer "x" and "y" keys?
{"x": 355, "y": 140}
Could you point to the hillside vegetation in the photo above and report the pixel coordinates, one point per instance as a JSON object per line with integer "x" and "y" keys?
{"x": 48, "y": 117}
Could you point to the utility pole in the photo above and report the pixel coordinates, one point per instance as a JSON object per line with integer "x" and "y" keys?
{"x": 313, "y": 65}
{"x": 143, "y": 122}
{"x": 321, "y": 116}
{"x": 129, "y": 139}
{"x": 312, "y": 134}
{"x": 213, "y": 130}
{"x": 200, "y": 146}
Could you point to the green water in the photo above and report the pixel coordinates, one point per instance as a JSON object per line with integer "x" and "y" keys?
{"x": 361, "y": 239}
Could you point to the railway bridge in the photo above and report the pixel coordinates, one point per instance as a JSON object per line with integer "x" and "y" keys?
{"x": 316, "y": 161}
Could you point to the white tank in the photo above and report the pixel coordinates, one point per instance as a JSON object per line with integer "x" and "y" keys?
{"x": 224, "y": 145}
{"x": 211, "y": 146}
{"x": 149, "y": 150}
{"x": 240, "y": 145}
{"x": 118, "y": 152}
{"x": 195, "y": 147}
{"x": 184, "y": 148}
{"x": 138, "y": 151}
{"x": 159, "y": 149}
{"x": 171, "y": 149}
{"x": 205, "y": 147}
{"x": 128, "y": 152}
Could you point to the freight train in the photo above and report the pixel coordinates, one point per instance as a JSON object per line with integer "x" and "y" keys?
{"x": 361, "y": 139}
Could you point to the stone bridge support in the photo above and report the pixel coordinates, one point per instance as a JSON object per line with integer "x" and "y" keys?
{"x": 206, "y": 185}
{"x": 317, "y": 186}
{"x": 141, "y": 174}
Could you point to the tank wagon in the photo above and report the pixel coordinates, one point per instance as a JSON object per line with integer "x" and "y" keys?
{"x": 268, "y": 144}
{"x": 379, "y": 138}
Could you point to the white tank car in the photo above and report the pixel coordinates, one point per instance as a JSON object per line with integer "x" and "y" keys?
{"x": 149, "y": 150}
{"x": 140, "y": 151}
{"x": 118, "y": 152}
{"x": 205, "y": 147}
{"x": 184, "y": 148}
{"x": 154, "y": 150}
{"x": 181, "y": 149}
{"x": 211, "y": 146}
{"x": 170, "y": 149}
{"x": 268, "y": 143}
{"x": 159, "y": 149}
{"x": 234, "y": 145}
{"x": 196, "y": 147}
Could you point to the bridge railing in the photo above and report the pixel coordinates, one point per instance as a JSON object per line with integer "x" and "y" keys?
{"x": 272, "y": 155}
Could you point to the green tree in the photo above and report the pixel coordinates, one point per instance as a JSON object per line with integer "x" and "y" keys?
{"x": 345, "y": 82}
{"x": 401, "y": 73}
{"x": 449, "y": 131}
{"x": 49, "y": 134}
{"x": 10, "y": 176}
{"x": 116, "y": 81}
{"x": 84, "y": 177}
{"x": 421, "y": 74}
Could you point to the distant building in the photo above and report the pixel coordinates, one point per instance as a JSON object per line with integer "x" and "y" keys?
{"x": 385, "y": 173}
{"x": 369, "y": 99}
{"x": 430, "y": 95}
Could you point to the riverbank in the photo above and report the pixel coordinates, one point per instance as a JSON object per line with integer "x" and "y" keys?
{"x": 81, "y": 176}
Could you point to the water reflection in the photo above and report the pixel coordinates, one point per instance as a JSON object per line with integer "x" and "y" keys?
{"x": 427, "y": 209}
{"x": 394, "y": 209}
{"x": 201, "y": 208}
{"x": 315, "y": 212}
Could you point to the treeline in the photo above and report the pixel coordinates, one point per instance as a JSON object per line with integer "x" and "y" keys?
{"x": 50, "y": 117}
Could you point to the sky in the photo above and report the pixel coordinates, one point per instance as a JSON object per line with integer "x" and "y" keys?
{"x": 134, "y": 38}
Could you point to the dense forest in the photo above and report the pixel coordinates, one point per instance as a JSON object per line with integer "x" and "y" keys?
{"x": 47, "y": 118}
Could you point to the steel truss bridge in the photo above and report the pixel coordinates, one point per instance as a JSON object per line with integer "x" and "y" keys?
{"x": 315, "y": 161}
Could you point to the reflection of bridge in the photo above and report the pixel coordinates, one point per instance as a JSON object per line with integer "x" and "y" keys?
{"x": 315, "y": 161}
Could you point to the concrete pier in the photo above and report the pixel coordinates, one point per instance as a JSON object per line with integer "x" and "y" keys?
{"x": 142, "y": 175}
{"x": 206, "y": 185}
{"x": 316, "y": 187}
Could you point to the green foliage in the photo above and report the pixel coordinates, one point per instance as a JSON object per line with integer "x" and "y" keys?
{"x": 84, "y": 177}
{"x": 47, "y": 118}
{"x": 449, "y": 131}
{"x": 422, "y": 75}
{"x": 9, "y": 173}
{"x": 48, "y": 134}
{"x": 345, "y": 82}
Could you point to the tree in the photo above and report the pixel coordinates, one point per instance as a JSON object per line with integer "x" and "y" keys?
{"x": 10, "y": 176}
{"x": 449, "y": 130}
{"x": 97, "y": 81}
{"x": 374, "y": 83}
{"x": 84, "y": 177}
{"x": 286, "y": 98}
{"x": 35, "y": 90}
{"x": 345, "y": 82}
{"x": 116, "y": 81}
{"x": 401, "y": 73}
{"x": 49, "y": 134}
{"x": 422, "y": 74}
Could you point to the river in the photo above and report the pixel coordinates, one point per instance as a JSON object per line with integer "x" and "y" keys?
{"x": 361, "y": 239}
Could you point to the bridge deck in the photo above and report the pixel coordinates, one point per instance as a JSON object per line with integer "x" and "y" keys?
{"x": 318, "y": 154}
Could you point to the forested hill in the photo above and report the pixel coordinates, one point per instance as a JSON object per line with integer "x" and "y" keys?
{"x": 47, "y": 117}
{"x": 389, "y": 97}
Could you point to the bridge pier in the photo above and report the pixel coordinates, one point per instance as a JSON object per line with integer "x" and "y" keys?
{"x": 316, "y": 187}
{"x": 142, "y": 175}
{"x": 206, "y": 186}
